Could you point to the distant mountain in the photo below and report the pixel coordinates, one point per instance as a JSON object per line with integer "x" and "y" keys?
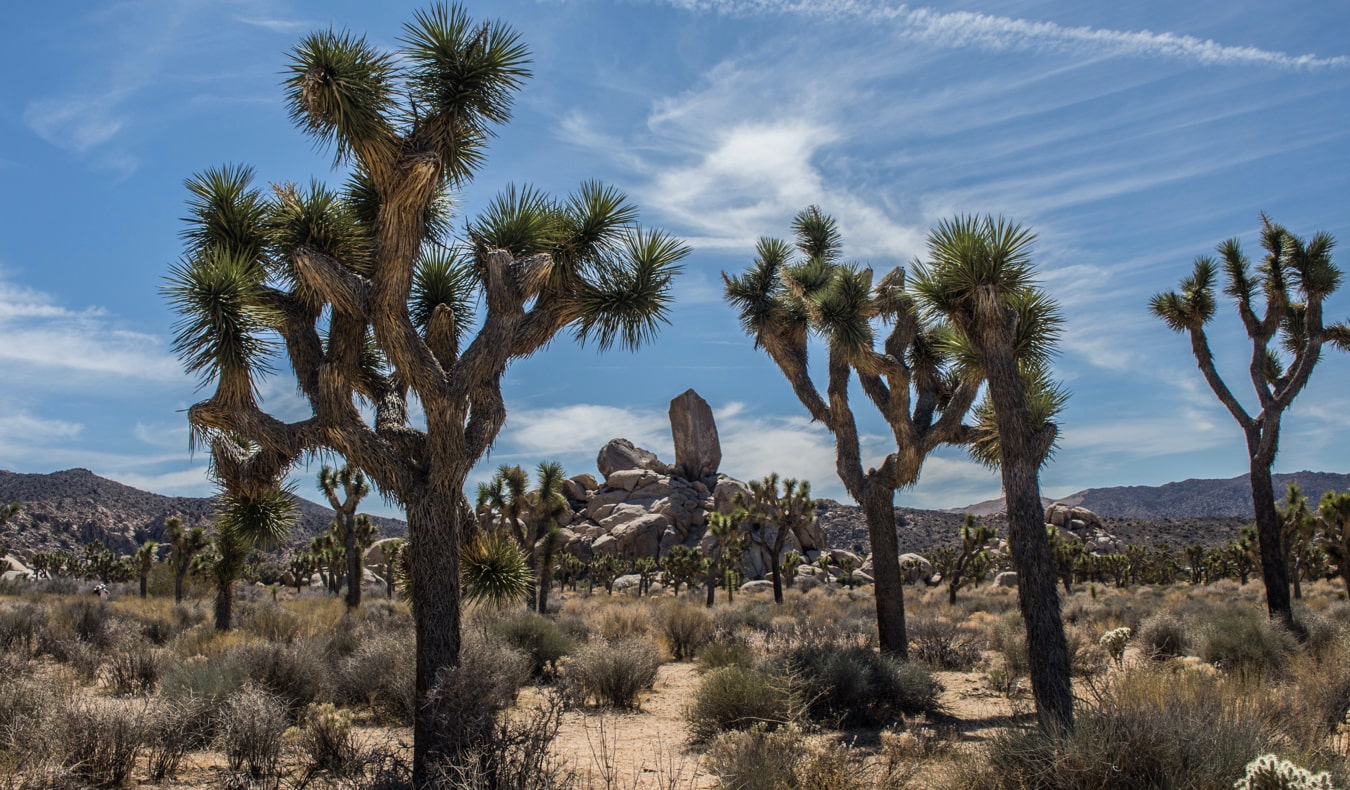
{"x": 1189, "y": 499}
{"x": 65, "y": 510}
{"x": 1198, "y": 498}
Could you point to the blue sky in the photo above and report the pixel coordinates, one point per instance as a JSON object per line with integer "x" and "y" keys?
{"x": 1131, "y": 136}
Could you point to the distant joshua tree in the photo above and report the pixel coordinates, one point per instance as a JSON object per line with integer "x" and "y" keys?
{"x": 975, "y": 539}
{"x": 184, "y": 545}
{"x": 242, "y": 523}
{"x": 1292, "y": 284}
{"x": 1333, "y": 520}
{"x": 788, "y": 512}
{"x": 354, "y": 538}
{"x": 793, "y": 291}
{"x": 146, "y": 556}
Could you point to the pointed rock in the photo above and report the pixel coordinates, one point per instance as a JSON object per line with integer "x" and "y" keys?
{"x": 698, "y": 452}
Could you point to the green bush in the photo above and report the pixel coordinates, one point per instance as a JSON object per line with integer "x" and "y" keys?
{"x": 538, "y": 637}
{"x": 725, "y": 654}
{"x": 293, "y": 673}
{"x": 212, "y": 679}
{"x": 735, "y": 698}
{"x": 381, "y": 673}
{"x": 851, "y": 685}
{"x": 1245, "y": 640}
{"x": 614, "y": 673}
{"x": 21, "y": 627}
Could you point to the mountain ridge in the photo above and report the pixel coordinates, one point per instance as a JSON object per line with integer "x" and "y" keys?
{"x": 66, "y": 509}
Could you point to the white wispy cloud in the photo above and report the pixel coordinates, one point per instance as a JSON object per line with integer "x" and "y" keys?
{"x": 973, "y": 30}
{"x": 275, "y": 24}
{"x": 43, "y": 337}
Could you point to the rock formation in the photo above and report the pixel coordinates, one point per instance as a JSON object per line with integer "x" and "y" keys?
{"x": 698, "y": 453}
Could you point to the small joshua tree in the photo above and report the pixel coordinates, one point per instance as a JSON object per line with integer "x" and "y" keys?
{"x": 146, "y": 556}
{"x": 1298, "y": 528}
{"x": 975, "y": 539}
{"x": 184, "y": 545}
{"x": 789, "y": 512}
{"x": 679, "y": 567}
{"x": 1333, "y": 520}
{"x": 1292, "y": 282}
{"x": 344, "y": 489}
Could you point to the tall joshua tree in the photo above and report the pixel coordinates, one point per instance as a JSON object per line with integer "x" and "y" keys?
{"x": 1293, "y": 282}
{"x": 794, "y": 291}
{"x": 344, "y": 489}
{"x": 547, "y": 508}
{"x": 979, "y": 279}
{"x": 370, "y": 308}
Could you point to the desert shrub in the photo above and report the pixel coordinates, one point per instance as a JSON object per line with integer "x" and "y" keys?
{"x": 718, "y": 654}
{"x": 294, "y": 673}
{"x": 326, "y": 737}
{"x": 211, "y": 679}
{"x": 251, "y": 726}
{"x": 1086, "y": 656}
{"x": 485, "y": 684}
{"x": 271, "y": 622}
{"x": 85, "y": 659}
{"x": 943, "y": 644}
{"x": 1245, "y": 640}
{"x": 27, "y": 703}
{"x": 538, "y": 637}
{"x": 381, "y": 673}
{"x": 21, "y": 627}
{"x": 1321, "y": 634}
{"x": 174, "y": 727}
{"x": 514, "y": 753}
{"x": 1152, "y": 728}
{"x": 1008, "y": 639}
{"x": 1269, "y": 772}
{"x": 757, "y": 758}
{"x": 99, "y": 741}
{"x": 133, "y": 669}
{"x": 749, "y": 614}
{"x": 857, "y": 686}
{"x": 85, "y": 620}
{"x": 735, "y": 698}
{"x": 684, "y": 628}
{"x": 614, "y": 673}
{"x": 617, "y": 623}
{"x": 1162, "y": 636}
{"x": 186, "y": 615}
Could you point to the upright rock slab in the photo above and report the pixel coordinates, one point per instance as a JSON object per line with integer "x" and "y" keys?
{"x": 698, "y": 452}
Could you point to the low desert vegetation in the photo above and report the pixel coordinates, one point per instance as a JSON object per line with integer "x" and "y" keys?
{"x": 1176, "y": 686}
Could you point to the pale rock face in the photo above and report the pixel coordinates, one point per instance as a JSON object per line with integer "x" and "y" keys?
{"x": 698, "y": 452}
{"x": 1006, "y": 579}
{"x": 640, "y": 537}
{"x": 758, "y": 586}
{"x": 606, "y": 544}
{"x": 628, "y": 479}
{"x": 725, "y": 494}
{"x": 621, "y": 454}
{"x": 915, "y": 568}
{"x": 622, "y": 514}
{"x": 376, "y": 555}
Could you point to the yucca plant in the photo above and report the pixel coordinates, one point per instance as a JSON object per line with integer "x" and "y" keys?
{"x": 245, "y": 521}
{"x": 363, "y": 290}
{"x": 495, "y": 570}
{"x": 1293, "y": 281}
{"x": 354, "y": 532}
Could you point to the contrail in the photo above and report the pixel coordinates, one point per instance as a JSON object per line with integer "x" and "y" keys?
{"x": 965, "y": 29}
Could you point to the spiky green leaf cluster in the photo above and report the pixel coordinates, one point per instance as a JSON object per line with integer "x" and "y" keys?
{"x": 494, "y": 569}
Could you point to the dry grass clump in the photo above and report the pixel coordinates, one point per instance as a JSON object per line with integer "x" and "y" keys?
{"x": 326, "y": 738}
{"x": 850, "y": 685}
{"x": 685, "y": 627}
{"x": 99, "y": 740}
{"x": 614, "y": 674}
{"x": 1162, "y": 636}
{"x": 251, "y": 724}
{"x": 942, "y": 643}
{"x": 737, "y": 698}
{"x": 1243, "y": 639}
{"x": 380, "y": 673}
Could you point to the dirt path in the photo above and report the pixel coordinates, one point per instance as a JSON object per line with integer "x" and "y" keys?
{"x": 647, "y": 748}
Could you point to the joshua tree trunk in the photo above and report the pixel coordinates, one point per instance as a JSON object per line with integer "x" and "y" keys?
{"x": 776, "y": 569}
{"x": 145, "y": 581}
{"x": 1274, "y": 574}
{"x": 224, "y": 605}
{"x": 436, "y": 521}
{"x": 878, "y": 503}
{"x": 179, "y": 573}
{"x": 355, "y": 567}
{"x": 1037, "y": 593}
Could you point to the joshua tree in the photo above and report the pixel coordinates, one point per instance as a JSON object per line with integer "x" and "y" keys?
{"x": 782, "y": 302}
{"x": 371, "y": 309}
{"x": 495, "y": 570}
{"x": 679, "y": 567}
{"x": 243, "y": 523}
{"x": 302, "y": 566}
{"x": 975, "y": 538}
{"x": 1333, "y": 519}
{"x": 184, "y": 546}
{"x": 1293, "y": 282}
{"x": 547, "y": 508}
{"x": 790, "y": 512}
{"x": 354, "y": 538}
{"x": 1003, "y": 326}
{"x": 1298, "y": 528}
{"x": 1067, "y": 552}
{"x": 145, "y": 561}
{"x": 728, "y": 541}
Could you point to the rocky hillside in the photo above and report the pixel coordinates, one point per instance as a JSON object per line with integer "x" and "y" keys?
{"x": 65, "y": 510}
{"x": 1192, "y": 499}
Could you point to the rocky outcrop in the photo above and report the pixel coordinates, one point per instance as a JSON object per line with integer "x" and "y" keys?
{"x": 621, "y": 455}
{"x": 698, "y": 453}
{"x": 1084, "y": 525}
